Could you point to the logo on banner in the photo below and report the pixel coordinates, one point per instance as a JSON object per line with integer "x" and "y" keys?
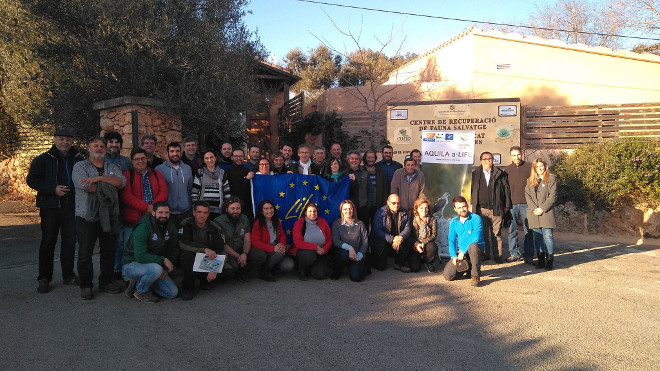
{"x": 449, "y": 136}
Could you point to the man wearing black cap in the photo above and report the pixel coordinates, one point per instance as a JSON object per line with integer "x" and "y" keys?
{"x": 50, "y": 176}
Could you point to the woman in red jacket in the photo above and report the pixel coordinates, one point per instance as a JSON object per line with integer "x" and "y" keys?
{"x": 269, "y": 239}
{"x": 311, "y": 241}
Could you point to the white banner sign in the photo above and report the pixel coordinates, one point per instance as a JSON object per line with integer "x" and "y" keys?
{"x": 448, "y": 147}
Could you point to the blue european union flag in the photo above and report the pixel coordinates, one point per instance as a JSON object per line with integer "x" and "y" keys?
{"x": 292, "y": 192}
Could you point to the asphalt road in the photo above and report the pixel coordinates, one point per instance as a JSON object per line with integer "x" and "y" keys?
{"x": 597, "y": 310}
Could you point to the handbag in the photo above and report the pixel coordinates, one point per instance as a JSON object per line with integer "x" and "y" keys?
{"x": 462, "y": 265}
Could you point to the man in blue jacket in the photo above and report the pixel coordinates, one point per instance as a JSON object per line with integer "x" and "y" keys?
{"x": 466, "y": 242}
{"x": 50, "y": 176}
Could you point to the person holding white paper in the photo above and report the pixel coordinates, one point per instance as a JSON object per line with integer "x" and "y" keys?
{"x": 198, "y": 234}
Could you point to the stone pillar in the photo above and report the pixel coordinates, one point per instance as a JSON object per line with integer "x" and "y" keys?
{"x": 153, "y": 118}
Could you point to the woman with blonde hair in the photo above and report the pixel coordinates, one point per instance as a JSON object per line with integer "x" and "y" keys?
{"x": 541, "y": 194}
{"x": 426, "y": 230}
{"x": 350, "y": 240}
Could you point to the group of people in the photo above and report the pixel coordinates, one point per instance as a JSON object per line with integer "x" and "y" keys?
{"x": 151, "y": 216}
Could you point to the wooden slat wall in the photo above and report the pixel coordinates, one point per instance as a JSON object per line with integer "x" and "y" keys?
{"x": 554, "y": 127}
{"x": 370, "y": 127}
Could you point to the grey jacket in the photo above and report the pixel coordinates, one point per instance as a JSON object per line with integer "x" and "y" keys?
{"x": 408, "y": 192}
{"x": 543, "y": 196}
{"x": 87, "y": 204}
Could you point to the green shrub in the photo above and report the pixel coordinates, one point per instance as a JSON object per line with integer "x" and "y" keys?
{"x": 610, "y": 174}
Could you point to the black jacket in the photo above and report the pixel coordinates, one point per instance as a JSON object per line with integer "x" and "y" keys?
{"x": 501, "y": 193}
{"x": 42, "y": 177}
{"x": 382, "y": 187}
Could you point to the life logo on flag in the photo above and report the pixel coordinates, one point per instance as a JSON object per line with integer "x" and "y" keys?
{"x": 291, "y": 193}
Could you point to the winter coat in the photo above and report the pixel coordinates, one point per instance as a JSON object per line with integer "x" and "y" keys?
{"x": 543, "y": 196}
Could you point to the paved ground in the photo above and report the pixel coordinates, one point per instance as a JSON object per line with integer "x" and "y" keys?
{"x": 597, "y": 310}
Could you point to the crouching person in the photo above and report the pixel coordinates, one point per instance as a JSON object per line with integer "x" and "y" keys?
{"x": 149, "y": 255}
{"x": 198, "y": 234}
{"x": 466, "y": 243}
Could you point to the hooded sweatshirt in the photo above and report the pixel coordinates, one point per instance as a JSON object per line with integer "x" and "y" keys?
{"x": 179, "y": 186}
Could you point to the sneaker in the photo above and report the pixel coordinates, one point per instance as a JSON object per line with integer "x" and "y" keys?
{"x": 397, "y": 267}
{"x": 205, "y": 285}
{"x": 242, "y": 275}
{"x": 131, "y": 289}
{"x": 71, "y": 281}
{"x": 86, "y": 293}
{"x": 430, "y": 267}
{"x": 529, "y": 261}
{"x": 474, "y": 281}
{"x": 111, "y": 288}
{"x": 147, "y": 297}
{"x": 267, "y": 276}
{"x": 302, "y": 276}
{"x": 498, "y": 260}
{"x": 44, "y": 286}
{"x": 404, "y": 269}
{"x": 512, "y": 259}
{"x": 186, "y": 295}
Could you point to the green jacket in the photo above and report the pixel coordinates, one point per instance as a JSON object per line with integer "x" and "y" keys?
{"x": 234, "y": 235}
{"x": 151, "y": 243}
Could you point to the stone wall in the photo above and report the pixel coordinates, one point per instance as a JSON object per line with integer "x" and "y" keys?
{"x": 30, "y": 143}
{"x": 115, "y": 114}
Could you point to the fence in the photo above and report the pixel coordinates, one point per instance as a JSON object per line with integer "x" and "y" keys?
{"x": 370, "y": 127}
{"x": 553, "y": 127}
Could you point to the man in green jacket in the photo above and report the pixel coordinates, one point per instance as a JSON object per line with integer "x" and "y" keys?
{"x": 149, "y": 255}
{"x": 236, "y": 228}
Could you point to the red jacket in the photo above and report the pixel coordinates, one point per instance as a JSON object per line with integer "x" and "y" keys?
{"x": 261, "y": 238}
{"x": 298, "y": 238}
{"x": 131, "y": 195}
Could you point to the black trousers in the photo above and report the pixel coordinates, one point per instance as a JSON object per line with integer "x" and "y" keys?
{"x": 56, "y": 221}
{"x": 88, "y": 233}
{"x": 317, "y": 265}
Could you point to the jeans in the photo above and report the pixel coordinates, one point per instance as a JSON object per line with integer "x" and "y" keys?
{"x": 519, "y": 213}
{"x": 148, "y": 276}
{"x": 54, "y": 221}
{"x": 88, "y": 233}
{"x": 356, "y": 269}
{"x": 122, "y": 239}
{"x": 542, "y": 235}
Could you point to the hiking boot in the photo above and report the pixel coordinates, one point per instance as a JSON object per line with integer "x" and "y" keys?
{"x": 302, "y": 276}
{"x": 146, "y": 297}
{"x": 404, "y": 269}
{"x": 430, "y": 267}
{"x": 71, "y": 281}
{"x": 44, "y": 286}
{"x": 111, "y": 288}
{"x": 86, "y": 293}
{"x": 498, "y": 260}
{"x": 206, "y": 286}
{"x": 529, "y": 261}
{"x": 130, "y": 290}
{"x": 474, "y": 281}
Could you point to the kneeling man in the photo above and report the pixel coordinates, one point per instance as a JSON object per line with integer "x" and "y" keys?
{"x": 149, "y": 255}
{"x": 466, "y": 242}
{"x": 198, "y": 234}
{"x": 391, "y": 231}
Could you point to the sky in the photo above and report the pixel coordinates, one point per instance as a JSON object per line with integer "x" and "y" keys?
{"x": 286, "y": 24}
